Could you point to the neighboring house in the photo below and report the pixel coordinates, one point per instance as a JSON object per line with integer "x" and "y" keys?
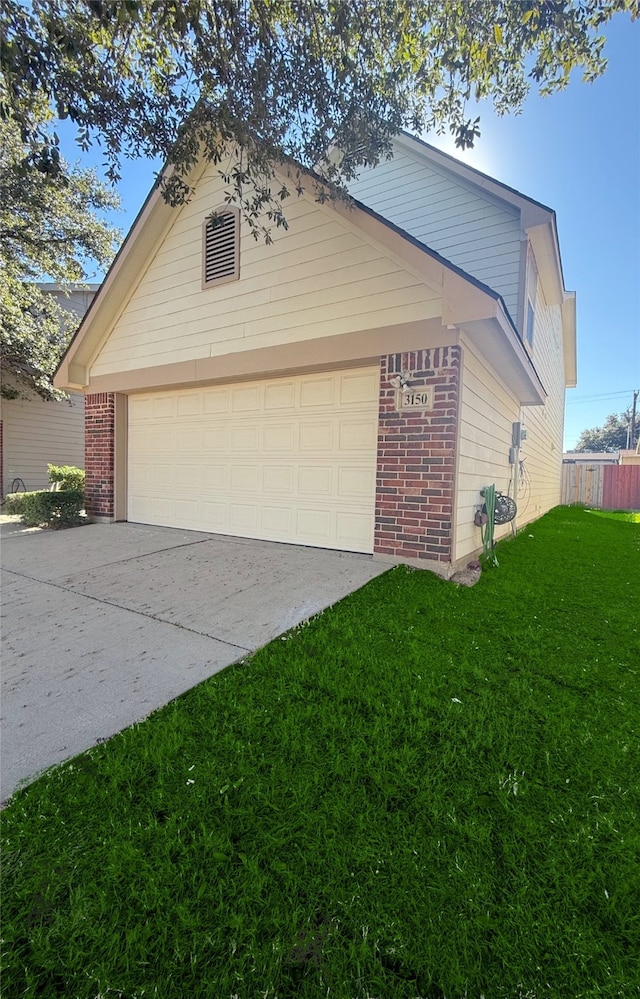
{"x": 34, "y": 432}
{"x": 590, "y": 457}
{"x": 257, "y": 390}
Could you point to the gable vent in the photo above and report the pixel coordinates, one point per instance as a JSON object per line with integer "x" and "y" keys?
{"x": 221, "y": 248}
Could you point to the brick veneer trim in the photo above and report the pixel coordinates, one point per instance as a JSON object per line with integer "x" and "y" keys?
{"x": 99, "y": 446}
{"x": 416, "y": 458}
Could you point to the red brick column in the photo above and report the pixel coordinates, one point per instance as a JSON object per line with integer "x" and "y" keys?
{"x": 99, "y": 453}
{"x": 416, "y": 457}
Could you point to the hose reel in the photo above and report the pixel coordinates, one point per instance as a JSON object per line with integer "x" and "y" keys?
{"x": 505, "y": 509}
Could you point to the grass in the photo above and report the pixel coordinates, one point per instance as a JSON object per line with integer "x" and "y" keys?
{"x": 427, "y": 791}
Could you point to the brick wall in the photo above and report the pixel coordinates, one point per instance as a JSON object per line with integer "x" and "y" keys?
{"x": 99, "y": 442}
{"x": 416, "y": 458}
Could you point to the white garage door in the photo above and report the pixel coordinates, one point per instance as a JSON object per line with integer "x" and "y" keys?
{"x": 289, "y": 459}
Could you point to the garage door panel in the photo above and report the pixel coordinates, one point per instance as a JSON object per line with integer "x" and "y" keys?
{"x": 280, "y": 396}
{"x": 215, "y": 401}
{"x": 214, "y": 516}
{"x": 189, "y": 405}
{"x": 314, "y": 524}
{"x": 244, "y": 518}
{"x": 315, "y": 480}
{"x": 316, "y": 436}
{"x": 188, "y": 439}
{"x": 278, "y": 479}
{"x": 357, "y": 435}
{"x": 187, "y": 476}
{"x": 276, "y": 522}
{"x": 139, "y": 407}
{"x": 280, "y": 437}
{"x": 245, "y": 437}
{"x": 215, "y": 479}
{"x": 290, "y": 459}
{"x": 245, "y": 478}
{"x": 350, "y": 527}
{"x": 359, "y": 387}
{"x": 356, "y": 482}
{"x": 216, "y": 439}
{"x": 186, "y": 512}
{"x": 247, "y": 400}
{"x": 164, "y": 407}
{"x": 161, "y": 510}
{"x": 317, "y": 392}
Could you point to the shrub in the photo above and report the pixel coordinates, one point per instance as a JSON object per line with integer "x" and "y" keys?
{"x": 47, "y": 509}
{"x": 67, "y": 477}
{"x": 13, "y": 503}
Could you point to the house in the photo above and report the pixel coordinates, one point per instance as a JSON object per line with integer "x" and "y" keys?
{"x": 35, "y": 432}
{"x": 354, "y": 386}
{"x": 590, "y": 457}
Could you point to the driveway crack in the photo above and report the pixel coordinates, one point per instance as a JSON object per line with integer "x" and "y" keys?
{"x": 130, "y": 610}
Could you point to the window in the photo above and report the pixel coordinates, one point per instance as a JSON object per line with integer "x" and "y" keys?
{"x": 532, "y": 294}
{"x": 221, "y": 247}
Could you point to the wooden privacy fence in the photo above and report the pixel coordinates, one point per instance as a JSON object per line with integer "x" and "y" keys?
{"x": 621, "y": 487}
{"x": 607, "y": 487}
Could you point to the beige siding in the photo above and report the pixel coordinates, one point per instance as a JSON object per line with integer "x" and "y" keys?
{"x": 36, "y": 433}
{"x": 487, "y": 411}
{"x": 322, "y": 277}
{"x": 467, "y": 226}
{"x": 542, "y": 451}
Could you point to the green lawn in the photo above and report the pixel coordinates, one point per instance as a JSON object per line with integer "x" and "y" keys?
{"x": 426, "y": 792}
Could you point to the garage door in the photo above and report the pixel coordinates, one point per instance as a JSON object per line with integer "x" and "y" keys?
{"x": 288, "y": 459}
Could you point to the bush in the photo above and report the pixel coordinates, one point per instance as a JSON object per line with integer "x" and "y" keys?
{"x": 47, "y": 509}
{"x": 67, "y": 477}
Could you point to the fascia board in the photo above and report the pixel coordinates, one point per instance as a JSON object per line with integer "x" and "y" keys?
{"x": 569, "y": 340}
{"x": 500, "y": 345}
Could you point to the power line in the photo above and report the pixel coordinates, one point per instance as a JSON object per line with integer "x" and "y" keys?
{"x": 599, "y": 398}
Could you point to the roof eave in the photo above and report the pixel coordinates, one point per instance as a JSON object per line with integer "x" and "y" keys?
{"x": 569, "y": 340}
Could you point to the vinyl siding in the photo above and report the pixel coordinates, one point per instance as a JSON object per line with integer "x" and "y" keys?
{"x": 487, "y": 410}
{"x": 36, "y": 433}
{"x": 76, "y": 301}
{"x": 468, "y": 227}
{"x": 320, "y": 278}
{"x": 542, "y": 451}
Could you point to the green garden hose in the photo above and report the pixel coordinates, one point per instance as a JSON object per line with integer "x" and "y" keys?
{"x": 486, "y": 530}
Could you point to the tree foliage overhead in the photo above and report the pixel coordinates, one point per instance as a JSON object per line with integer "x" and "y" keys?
{"x": 613, "y": 435}
{"x": 49, "y": 231}
{"x": 284, "y": 79}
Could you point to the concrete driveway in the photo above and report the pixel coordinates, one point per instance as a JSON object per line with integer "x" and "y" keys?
{"x": 105, "y": 623}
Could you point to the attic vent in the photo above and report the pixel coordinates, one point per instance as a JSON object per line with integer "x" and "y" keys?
{"x": 221, "y": 247}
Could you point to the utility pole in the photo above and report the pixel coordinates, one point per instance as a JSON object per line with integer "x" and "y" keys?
{"x": 632, "y": 425}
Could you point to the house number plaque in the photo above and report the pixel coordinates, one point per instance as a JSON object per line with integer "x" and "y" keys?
{"x": 415, "y": 398}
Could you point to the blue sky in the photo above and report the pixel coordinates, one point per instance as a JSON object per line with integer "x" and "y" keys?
{"x": 577, "y": 152}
